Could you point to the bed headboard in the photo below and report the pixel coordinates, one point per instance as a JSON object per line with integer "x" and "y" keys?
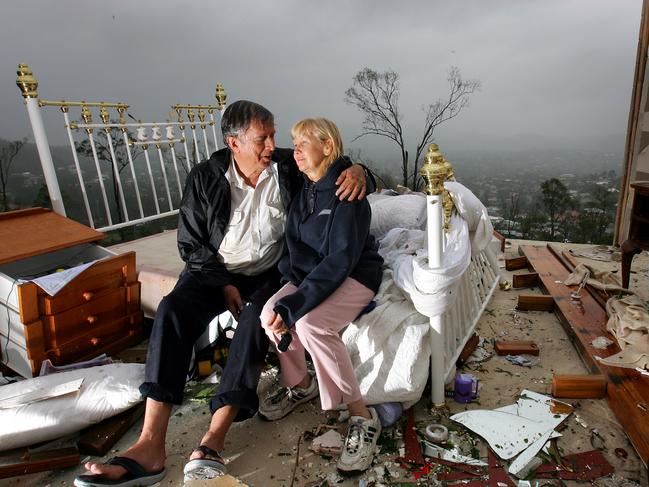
{"x": 121, "y": 171}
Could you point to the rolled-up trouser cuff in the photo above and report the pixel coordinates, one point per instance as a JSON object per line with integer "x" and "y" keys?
{"x": 246, "y": 401}
{"x": 159, "y": 393}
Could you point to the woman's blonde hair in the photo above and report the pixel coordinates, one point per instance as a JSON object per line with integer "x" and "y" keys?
{"x": 323, "y": 130}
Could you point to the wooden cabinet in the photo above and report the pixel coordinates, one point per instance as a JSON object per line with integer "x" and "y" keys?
{"x": 638, "y": 238}
{"x": 97, "y": 312}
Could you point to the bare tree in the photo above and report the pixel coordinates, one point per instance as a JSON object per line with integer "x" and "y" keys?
{"x": 376, "y": 95}
{"x": 7, "y": 154}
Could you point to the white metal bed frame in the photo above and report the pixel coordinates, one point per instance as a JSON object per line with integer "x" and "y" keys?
{"x": 449, "y": 331}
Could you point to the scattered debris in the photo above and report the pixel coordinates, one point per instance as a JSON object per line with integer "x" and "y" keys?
{"x": 521, "y": 360}
{"x": 601, "y": 343}
{"x": 621, "y": 453}
{"x": 330, "y": 443}
{"x": 581, "y": 422}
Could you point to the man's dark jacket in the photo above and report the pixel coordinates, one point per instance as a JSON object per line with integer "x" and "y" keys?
{"x": 205, "y": 211}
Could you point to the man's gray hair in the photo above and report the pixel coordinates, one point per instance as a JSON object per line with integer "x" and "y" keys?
{"x": 239, "y": 115}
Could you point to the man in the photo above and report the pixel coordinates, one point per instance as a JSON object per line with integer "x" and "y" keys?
{"x": 231, "y": 236}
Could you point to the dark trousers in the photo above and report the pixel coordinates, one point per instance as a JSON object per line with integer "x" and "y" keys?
{"x": 182, "y": 317}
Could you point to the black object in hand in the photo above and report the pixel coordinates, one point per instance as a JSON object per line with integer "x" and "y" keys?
{"x": 285, "y": 341}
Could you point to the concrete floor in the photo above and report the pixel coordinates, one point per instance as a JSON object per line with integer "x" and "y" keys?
{"x": 263, "y": 453}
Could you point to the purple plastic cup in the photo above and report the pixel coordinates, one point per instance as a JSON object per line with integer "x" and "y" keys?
{"x": 466, "y": 388}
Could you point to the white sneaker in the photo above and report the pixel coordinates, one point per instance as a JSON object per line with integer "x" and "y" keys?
{"x": 360, "y": 443}
{"x": 286, "y": 399}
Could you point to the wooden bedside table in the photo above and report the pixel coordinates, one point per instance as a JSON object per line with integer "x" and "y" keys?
{"x": 638, "y": 238}
{"x": 97, "y": 312}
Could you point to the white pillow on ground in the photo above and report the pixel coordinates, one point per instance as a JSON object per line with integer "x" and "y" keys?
{"x": 403, "y": 211}
{"x": 106, "y": 390}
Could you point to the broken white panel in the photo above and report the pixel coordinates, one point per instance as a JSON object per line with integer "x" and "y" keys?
{"x": 41, "y": 394}
{"x": 537, "y": 407}
{"x": 519, "y": 467}
{"x": 511, "y": 429}
{"x": 507, "y": 434}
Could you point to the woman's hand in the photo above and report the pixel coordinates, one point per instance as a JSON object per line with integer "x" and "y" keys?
{"x": 276, "y": 325}
{"x": 232, "y": 299}
{"x": 351, "y": 183}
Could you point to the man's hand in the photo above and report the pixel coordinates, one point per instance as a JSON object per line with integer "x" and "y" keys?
{"x": 232, "y": 300}
{"x": 351, "y": 183}
{"x": 276, "y": 324}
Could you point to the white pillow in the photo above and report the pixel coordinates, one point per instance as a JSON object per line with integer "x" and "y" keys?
{"x": 106, "y": 391}
{"x": 403, "y": 211}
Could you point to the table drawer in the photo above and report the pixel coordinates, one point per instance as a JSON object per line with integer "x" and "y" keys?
{"x": 34, "y": 302}
{"x": 62, "y": 327}
{"x": 106, "y": 338}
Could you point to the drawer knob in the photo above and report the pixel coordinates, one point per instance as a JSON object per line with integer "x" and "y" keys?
{"x": 88, "y": 295}
{"x": 91, "y": 319}
{"x": 95, "y": 341}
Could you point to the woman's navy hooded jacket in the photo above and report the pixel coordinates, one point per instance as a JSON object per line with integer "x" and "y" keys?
{"x": 328, "y": 240}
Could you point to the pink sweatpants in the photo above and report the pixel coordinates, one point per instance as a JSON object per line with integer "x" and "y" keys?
{"x": 317, "y": 332}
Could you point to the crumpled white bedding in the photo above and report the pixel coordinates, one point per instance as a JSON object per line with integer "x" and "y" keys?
{"x": 389, "y": 347}
{"x": 106, "y": 391}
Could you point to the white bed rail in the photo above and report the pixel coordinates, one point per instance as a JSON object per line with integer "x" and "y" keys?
{"x": 126, "y": 171}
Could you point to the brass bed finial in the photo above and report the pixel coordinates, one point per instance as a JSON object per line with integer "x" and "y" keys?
{"x": 26, "y": 81}
{"x": 435, "y": 171}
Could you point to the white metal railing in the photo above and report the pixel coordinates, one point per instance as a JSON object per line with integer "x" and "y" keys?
{"x": 126, "y": 172}
{"x": 477, "y": 285}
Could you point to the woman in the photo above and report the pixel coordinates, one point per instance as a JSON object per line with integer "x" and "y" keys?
{"x": 332, "y": 271}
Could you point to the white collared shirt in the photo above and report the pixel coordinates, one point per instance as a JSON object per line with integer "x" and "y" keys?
{"x": 254, "y": 237}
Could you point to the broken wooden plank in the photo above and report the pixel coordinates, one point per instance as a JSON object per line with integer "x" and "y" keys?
{"x": 574, "y": 386}
{"x": 471, "y": 345}
{"x": 23, "y": 462}
{"x": 99, "y": 438}
{"x": 535, "y": 302}
{"x": 503, "y": 347}
{"x": 529, "y": 279}
{"x": 515, "y": 263}
{"x": 413, "y": 453}
{"x": 584, "y": 320}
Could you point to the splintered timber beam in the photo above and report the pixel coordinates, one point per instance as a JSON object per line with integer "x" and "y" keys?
{"x": 530, "y": 279}
{"x": 535, "y": 302}
{"x": 516, "y": 263}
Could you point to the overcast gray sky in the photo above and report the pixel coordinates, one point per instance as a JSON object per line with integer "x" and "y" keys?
{"x": 550, "y": 68}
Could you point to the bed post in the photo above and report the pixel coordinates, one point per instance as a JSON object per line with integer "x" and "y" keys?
{"x": 435, "y": 171}
{"x": 28, "y": 85}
